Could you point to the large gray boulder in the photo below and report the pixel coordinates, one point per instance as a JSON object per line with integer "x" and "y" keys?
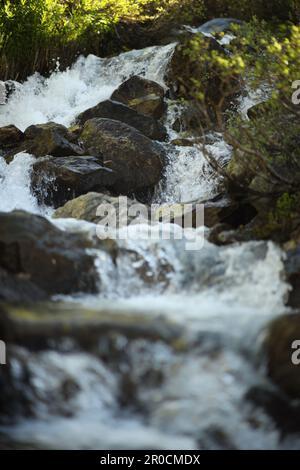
{"x": 136, "y": 161}
{"x": 40, "y": 260}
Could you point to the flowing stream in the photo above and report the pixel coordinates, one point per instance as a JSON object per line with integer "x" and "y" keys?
{"x": 143, "y": 393}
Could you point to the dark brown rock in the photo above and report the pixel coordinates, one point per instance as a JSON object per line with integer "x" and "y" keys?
{"x": 57, "y": 180}
{"x": 145, "y": 96}
{"x": 108, "y": 109}
{"x": 43, "y": 259}
{"x": 136, "y": 161}
{"x": 280, "y": 347}
{"x": 48, "y": 139}
{"x": 10, "y": 136}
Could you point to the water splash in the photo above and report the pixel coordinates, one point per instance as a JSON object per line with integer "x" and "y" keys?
{"x": 189, "y": 177}
{"x": 64, "y": 95}
{"x": 15, "y": 183}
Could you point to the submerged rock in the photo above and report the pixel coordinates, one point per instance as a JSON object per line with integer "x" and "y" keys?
{"x": 19, "y": 288}
{"x": 108, "y": 109}
{"x": 57, "y": 180}
{"x": 136, "y": 161}
{"x": 145, "y": 96}
{"x": 37, "y": 256}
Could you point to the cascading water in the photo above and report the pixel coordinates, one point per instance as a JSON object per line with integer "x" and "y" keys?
{"x": 149, "y": 394}
{"x": 64, "y": 95}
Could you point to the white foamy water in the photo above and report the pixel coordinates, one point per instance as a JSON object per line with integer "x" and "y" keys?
{"x": 189, "y": 177}
{"x": 15, "y": 192}
{"x": 64, "y": 95}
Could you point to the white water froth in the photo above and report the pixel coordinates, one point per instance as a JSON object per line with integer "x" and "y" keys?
{"x": 64, "y": 95}
{"x": 244, "y": 279}
{"x": 189, "y": 177}
{"x": 15, "y": 192}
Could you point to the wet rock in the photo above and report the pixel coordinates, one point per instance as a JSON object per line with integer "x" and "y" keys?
{"x": 13, "y": 400}
{"x": 284, "y": 412}
{"x": 145, "y": 96}
{"x": 220, "y": 233}
{"x": 181, "y": 142}
{"x": 136, "y": 161}
{"x": 147, "y": 125}
{"x": 225, "y": 210}
{"x": 57, "y": 180}
{"x": 228, "y": 220}
{"x": 239, "y": 171}
{"x": 38, "y": 325}
{"x": 225, "y": 234}
{"x": 19, "y": 288}
{"x": 49, "y": 139}
{"x": 10, "y": 136}
{"x": 43, "y": 259}
{"x": 280, "y": 349}
{"x": 218, "y": 211}
{"x": 85, "y": 208}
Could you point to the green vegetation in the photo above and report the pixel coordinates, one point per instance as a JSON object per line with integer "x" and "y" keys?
{"x": 266, "y": 152}
{"x": 33, "y": 33}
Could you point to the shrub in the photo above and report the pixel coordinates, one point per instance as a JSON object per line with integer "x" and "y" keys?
{"x": 265, "y": 163}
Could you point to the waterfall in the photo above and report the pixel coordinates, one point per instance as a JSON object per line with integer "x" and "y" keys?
{"x": 15, "y": 184}
{"x": 185, "y": 394}
{"x": 64, "y": 95}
